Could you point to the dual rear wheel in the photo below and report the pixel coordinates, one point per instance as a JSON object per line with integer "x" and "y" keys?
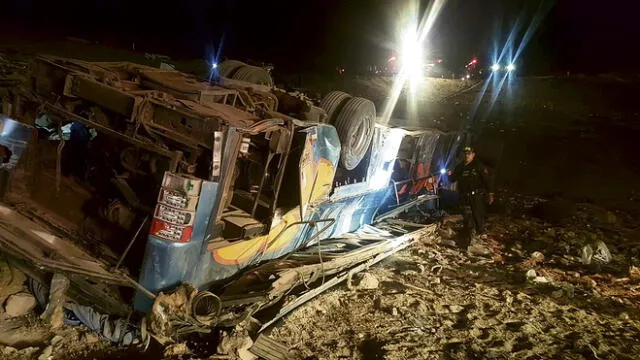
{"x": 354, "y": 119}
{"x": 238, "y": 70}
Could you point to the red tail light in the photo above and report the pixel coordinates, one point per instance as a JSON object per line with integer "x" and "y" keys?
{"x": 176, "y": 208}
{"x": 167, "y": 231}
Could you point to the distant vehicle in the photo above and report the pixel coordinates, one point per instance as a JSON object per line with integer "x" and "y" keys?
{"x": 507, "y": 67}
{"x": 472, "y": 70}
{"x": 435, "y": 67}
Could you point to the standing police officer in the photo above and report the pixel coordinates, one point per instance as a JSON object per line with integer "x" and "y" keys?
{"x": 474, "y": 184}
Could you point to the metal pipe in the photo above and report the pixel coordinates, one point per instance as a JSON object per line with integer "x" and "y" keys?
{"x": 395, "y": 191}
{"x": 139, "y": 287}
{"x": 205, "y": 307}
{"x": 126, "y": 251}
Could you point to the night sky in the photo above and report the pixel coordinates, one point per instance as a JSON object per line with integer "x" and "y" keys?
{"x": 576, "y": 35}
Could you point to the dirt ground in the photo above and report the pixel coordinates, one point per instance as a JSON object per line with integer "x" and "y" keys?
{"x": 437, "y": 302}
{"x": 547, "y": 138}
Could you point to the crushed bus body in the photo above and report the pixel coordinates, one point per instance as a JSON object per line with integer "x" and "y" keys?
{"x": 133, "y": 181}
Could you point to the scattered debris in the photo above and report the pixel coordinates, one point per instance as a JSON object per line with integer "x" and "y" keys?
{"x": 56, "y": 339}
{"x": 368, "y": 282}
{"x": 634, "y": 273}
{"x": 537, "y": 257}
{"x": 533, "y": 261}
{"x": 170, "y": 307}
{"x": 448, "y": 242}
{"x": 30, "y": 352}
{"x": 237, "y": 343}
{"x": 46, "y": 353}
{"x": 90, "y": 338}
{"x": 446, "y": 233}
{"x": 480, "y": 307}
{"x": 176, "y": 350}
{"x": 533, "y": 277}
{"x": 8, "y": 350}
{"x": 22, "y": 332}
{"x": 598, "y": 253}
{"x": 269, "y": 349}
{"x": 477, "y": 249}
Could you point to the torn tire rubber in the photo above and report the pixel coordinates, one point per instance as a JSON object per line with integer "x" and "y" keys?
{"x": 254, "y": 75}
{"x": 355, "y": 124}
{"x": 332, "y": 103}
{"x": 228, "y": 68}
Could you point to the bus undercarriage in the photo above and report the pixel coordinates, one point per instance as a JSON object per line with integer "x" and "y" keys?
{"x": 133, "y": 181}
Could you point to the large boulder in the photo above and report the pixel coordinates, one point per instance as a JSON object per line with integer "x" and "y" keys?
{"x": 19, "y": 304}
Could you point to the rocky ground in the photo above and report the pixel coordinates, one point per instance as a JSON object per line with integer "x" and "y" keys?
{"x": 533, "y": 298}
{"x": 24, "y": 336}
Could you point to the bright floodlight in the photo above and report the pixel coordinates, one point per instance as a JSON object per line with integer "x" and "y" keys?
{"x": 443, "y": 171}
{"x": 511, "y": 67}
{"x": 411, "y": 43}
{"x": 411, "y": 55}
{"x": 214, "y": 66}
{"x": 495, "y": 67}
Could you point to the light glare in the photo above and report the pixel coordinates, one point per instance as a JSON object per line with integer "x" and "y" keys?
{"x": 421, "y": 31}
{"x": 511, "y": 67}
{"x": 412, "y": 56}
{"x": 495, "y": 67}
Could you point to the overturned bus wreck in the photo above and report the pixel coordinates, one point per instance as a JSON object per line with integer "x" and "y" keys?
{"x": 132, "y": 181}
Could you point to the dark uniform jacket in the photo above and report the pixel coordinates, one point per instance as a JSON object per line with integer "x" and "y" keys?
{"x": 472, "y": 177}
